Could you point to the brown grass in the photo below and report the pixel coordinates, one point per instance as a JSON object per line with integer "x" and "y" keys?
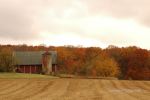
{"x": 73, "y": 89}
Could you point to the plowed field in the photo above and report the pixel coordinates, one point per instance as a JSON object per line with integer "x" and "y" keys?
{"x": 73, "y": 89}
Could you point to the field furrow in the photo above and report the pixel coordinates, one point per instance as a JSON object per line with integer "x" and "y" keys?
{"x": 73, "y": 89}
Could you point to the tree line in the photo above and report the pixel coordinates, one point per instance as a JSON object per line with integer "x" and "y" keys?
{"x": 124, "y": 63}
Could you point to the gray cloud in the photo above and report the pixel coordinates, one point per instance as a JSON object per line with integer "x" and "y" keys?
{"x": 121, "y": 9}
{"x": 17, "y": 19}
{"x": 24, "y": 19}
{"x": 137, "y": 9}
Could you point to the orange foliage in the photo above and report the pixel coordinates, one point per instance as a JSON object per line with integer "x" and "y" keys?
{"x": 133, "y": 62}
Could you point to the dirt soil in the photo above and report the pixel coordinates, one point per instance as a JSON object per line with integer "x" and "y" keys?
{"x": 73, "y": 89}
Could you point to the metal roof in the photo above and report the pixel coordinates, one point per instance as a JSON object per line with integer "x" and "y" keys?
{"x": 32, "y": 57}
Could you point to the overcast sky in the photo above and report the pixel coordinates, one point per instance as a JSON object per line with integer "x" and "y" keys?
{"x": 75, "y": 22}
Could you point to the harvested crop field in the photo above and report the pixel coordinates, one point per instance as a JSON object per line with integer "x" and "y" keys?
{"x": 73, "y": 89}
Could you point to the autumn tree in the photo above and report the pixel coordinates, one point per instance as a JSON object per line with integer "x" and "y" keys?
{"x": 137, "y": 66}
{"x": 128, "y": 62}
{"x": 6, "y": 60}
{"x": 116, "y": 53}
{"x": 92, "y": 61}
{"x": 133, "y": 61}
{"x": 65, "y": 59}
{"x": 100, "y": 64}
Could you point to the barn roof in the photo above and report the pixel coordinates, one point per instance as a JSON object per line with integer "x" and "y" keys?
{"x": 32, "y": 57}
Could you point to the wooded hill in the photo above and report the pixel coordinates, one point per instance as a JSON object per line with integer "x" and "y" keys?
{"x": 124, "y": 63}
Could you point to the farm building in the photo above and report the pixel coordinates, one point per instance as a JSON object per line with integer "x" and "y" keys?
{"x": 36, "y": 61}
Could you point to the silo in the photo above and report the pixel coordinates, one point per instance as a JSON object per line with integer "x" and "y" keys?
{"x": 47, "y": 63}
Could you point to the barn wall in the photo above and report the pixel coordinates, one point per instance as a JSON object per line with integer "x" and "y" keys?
{"x": 54, "y": 68}
{"x": 29, "y": 69}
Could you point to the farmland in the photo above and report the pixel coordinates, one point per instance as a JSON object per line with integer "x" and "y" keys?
{"x": 73, "y": 89}
{"x": 23, "y": 76}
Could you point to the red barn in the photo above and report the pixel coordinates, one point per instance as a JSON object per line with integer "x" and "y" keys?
{"x": 36, "y": 61}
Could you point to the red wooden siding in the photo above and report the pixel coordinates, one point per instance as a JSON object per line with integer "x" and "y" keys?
{"x": 29, "y": 69}
{"x": 54, "y": 68}
{"x": 33, "y": 68}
